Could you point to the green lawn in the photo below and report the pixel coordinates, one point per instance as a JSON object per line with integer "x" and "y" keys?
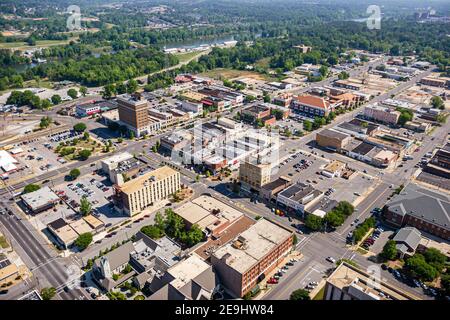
{"x": 320, "y": 294}
{"x": 21, "y": 45}
{"x": 186, "y": 56}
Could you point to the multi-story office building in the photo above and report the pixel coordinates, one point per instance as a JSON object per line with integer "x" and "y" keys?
{"x": 247, "y": 259}
{"x": 138, "y": 194}
{"x": 253, "y": 174}
{"x": 133, "y": 113}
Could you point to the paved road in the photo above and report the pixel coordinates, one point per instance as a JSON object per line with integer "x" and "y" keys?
{"x": 48, "y": 268}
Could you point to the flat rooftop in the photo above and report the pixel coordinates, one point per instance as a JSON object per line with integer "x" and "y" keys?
{"x": 186, "y": 270}
{"x": 155, "y": 175}
{"x": 359, "y": 283}
{"x": 252, "y": 245}
{"x": 231, "y": 232}
{"x": 40, "y": 198}
{"x": 207, "y": 212}
{"x": 330, "y": 133}
{"x": 117, "y": 158}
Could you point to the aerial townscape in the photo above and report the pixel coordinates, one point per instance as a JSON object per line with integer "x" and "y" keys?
{"x": 224, "y": 150}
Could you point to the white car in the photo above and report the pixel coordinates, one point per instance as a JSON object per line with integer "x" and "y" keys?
{"x": 331, "y": 259}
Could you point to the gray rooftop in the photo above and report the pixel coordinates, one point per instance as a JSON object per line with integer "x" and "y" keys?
{"x": 408, "y": 236}
{"x": 40, "y": 198}
{"x": 424, "y": 204}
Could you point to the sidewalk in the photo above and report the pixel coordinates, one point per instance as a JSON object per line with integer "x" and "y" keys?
{"x": 265, "y": 288}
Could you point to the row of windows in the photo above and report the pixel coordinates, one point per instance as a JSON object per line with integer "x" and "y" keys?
{"x": 154, "y": 192}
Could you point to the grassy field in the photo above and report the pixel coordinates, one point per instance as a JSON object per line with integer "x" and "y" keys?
{"x": 39, "y": 44}
{"x": 220, "y": 73}
{"x": 186, "y": 56}
{"x": 3, "y": 243}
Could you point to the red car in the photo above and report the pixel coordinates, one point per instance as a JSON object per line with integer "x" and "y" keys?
{"x": 272, "y": 281}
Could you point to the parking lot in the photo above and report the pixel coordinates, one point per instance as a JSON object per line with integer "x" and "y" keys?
{"x": 97, "y": 189}
{"x": 345, "y": 189}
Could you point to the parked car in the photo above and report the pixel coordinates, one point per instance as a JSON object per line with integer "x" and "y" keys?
{"x": 272, "y": 281}
{"x": 331, "y": 259}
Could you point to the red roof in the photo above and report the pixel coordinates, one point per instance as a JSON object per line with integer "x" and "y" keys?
{"x": 314, "y": 101}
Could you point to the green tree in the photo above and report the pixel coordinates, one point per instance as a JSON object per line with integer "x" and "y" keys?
{"x": 307, "y": 125}
{"x": 108, "y": 91}
{"x": 445, "y": 284}
{"x": 437, "y": 103}
{"x": 46, "y": 104}
{"x": 132, "y": 86}
{"x": 345, "y": 208}
{"x": 74, "y": 173}
{"x": 152, "y": 231}
{"x": 84, "y": 154}
{"x": 390, "y": 250}
{"x": 194, "y": 235}
{"x": 72, "y": 93}
{"x": 45, "y": 122}
{"x": 419, "y": 268}
{"x": 83, "y": 91}
{"x": 299, "y": 294}
{"x": 343, "y": 75}
{"x": 435, "y": 258}
{"x": 83, "y": 240}
{"x": 79, "y": 127}
{"x": 85, "y": 206}
{"x": 334, "y": 218}
{"x": 56, "y": 99}
{"x": 314, "y": 222}
{"x": 86, "y": 136}
{"x": 31, "y": 188}
{"x": 323, "y": 71}
{"x": 174, "y": 224}
{"x": 48, "y": 293}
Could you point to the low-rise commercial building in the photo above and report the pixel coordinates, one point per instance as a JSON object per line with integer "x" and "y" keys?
{"x": 381, "y": 114}
{"x": 407, "y": 240}
{"x": 210, "y": 215}
{"x": 350, "y": 283}
{"x": 40, "y": 200}
{"x": 269, "y": 191}
{"x": 297, "y": 197}
{"x": 332, "y": 139}
{"x": 63, "y": 233}
{"x": 85, "y": 110}
{"x": 424, "y": 209}
{"x": 247, "y": 259}
{"x": 138, "y": 194}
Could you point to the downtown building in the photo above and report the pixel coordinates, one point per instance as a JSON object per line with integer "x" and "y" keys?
{"x": 146, "y": 190}
{"x": 133, "y": 113}
{"x": 247, "y": 259}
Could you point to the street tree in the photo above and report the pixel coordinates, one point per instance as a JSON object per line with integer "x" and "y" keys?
{"x": 72, "y": 93}
{"x": 79, "y": 127}
{"x": 300, "y": 294}
{"x": 85, "y": 206}
{"x": 390, "y": 250}
{"x": 48, "y": 293}
{"x": 74, "y": 173}
{"x": 31, "y": 188}
{"x": 83, "y": 240}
